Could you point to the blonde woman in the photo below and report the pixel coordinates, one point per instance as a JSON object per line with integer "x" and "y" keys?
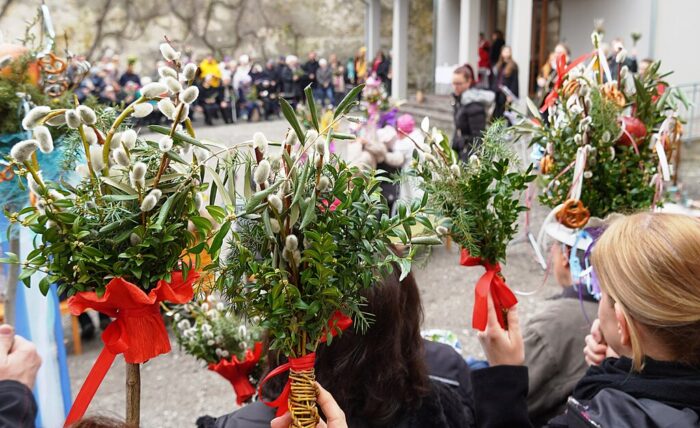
{"x": 648, "y": 269}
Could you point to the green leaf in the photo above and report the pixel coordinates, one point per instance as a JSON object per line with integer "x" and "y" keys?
{"x": 117, "y": 185}
{"x": 291, "y": 117}
{"x": 219, "y": 239}
{"x": 120, "y": 198}
{"x": 311, "y": 103}
{"x": 216, "y": 212}
{"x": 44, "y": 285}
{"x": 258, "y": 197}
{"x": 309, "y": 212}
{"x": 178, "y": 137}
{"x": 217, "y": 180}
{"x": 426, "y": 240}
{"x": 165, "y": 210}
{"x": 343, "y": 136}
{"x": 344, "y": 105}
{"x": 10, "y": 259}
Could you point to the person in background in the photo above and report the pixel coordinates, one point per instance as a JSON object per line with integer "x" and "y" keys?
{"x": 548, "y": 72}
{"x": 241, "y": 74}
{"x": 310, "y": 68}
{"x": 210, "y": 67}
{"x": 554, "y": 335}
{"x": 130, "y": 75}
{"x": 484, "y": 63}
{"x": 338, "y": 78}
{"x": 471, "y": 107}
{"x": 210, "y": 98}
{"x": 350, "y": 75}
{"x": 630, "y": 60}
{"x": 19, "y": 364}
{"x": 227, "y": 100}
{"x": 289, "y": 77}
{"x": 324, "y": 83}
{"x": 647, "y": 266}
{"x": 497, "y": 43}
{"x": 361, "y": 66}
{"x": 505, "y": 81}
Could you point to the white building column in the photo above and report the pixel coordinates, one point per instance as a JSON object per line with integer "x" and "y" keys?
{"x": 469, "y": 25}
{"x": 519, "y": 37}
{"x": 399, "y": 52}
{"x": 446, "y": 27}
{"x": 373, "y": 15}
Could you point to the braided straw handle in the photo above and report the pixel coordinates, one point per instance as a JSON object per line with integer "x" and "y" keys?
{"x": 302, "y": 399}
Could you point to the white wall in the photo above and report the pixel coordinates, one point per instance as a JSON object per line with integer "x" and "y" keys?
{"x": 677, "y": 39}
{"x": 622, "y": 17}
{"x": 675, "y": 26}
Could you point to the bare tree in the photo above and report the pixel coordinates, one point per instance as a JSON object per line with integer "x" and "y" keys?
{"x": 5, "y": 7}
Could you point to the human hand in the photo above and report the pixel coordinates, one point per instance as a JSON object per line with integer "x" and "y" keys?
{"x": 502, "y": 347}
{"x": 335, "y": 417}
{"x": 596, "y": 349}
{"x": 19, "y": 359}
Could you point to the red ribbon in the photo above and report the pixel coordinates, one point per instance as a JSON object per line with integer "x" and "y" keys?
{"x": 297, "y": 364}
{"x": 338, "y": 322}
{"x": 137, "y": 332}
{"x": 237, "y": 372}
{"x": 490, "y": 282}
{"x": 562, "y": 71}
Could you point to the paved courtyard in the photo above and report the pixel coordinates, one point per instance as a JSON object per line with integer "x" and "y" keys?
{"x": 176, "y": 389}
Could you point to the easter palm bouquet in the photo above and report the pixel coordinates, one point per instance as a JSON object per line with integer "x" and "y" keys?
{"x": 312, "y": 233}
{"x": 477, "y": 204}
{"x": 117, "y": 240}
{"x": 225, "y": 342}
{"x": 607, "y": 142}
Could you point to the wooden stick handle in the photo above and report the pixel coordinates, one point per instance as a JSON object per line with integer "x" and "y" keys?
{"x": 133, "y": 395}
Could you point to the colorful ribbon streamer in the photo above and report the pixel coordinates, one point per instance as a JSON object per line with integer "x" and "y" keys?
{"x": 562, "y": 71}
{"x": 237, "y": 372}
{"x": 490, "y": 282}
{"x": 338, "y": 322}
{"x": 137, "y": 332}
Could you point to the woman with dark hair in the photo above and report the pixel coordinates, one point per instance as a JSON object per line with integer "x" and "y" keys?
{"x": 505, "y": 81}
{"x": 387, "y": 377}
{"x": 471, "y": 110}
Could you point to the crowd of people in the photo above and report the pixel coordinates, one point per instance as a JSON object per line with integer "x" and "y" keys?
{"x": 244, "y": 89}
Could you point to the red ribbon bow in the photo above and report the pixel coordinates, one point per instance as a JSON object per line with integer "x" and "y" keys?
{"x": 137, "y": 332}
{"x": 303, "y": 363}
{"x": 238, "y": 372}
{"x": 490, "y": 282}
{"x": 338, "y": 321}
{"x": 562, "y": 71}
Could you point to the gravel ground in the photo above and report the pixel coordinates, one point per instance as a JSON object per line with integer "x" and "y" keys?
{"x": 176, "y": 389}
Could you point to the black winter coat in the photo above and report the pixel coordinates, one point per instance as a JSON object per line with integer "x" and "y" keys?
{"x": 664, "y": 394}
{"x": 470, "y": 121}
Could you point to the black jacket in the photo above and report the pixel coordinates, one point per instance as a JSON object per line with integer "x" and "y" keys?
{"x": 17, "y": 406}
{"x": 470, "y": 118}
{"x": 664, "y": 394}
{"x": 449, "y": 405}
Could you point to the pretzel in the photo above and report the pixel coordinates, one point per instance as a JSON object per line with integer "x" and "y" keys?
{"x": 7, "y": 174}
{"x": 573, "y": 214}
{"x": 51, "y": 64}
{"x": 570, "y": 88}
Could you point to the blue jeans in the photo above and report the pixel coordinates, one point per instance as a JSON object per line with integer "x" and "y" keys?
{"x": 321, "y": 94}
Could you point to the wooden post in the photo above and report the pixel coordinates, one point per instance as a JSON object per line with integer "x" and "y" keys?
{"x": 133, "y": 395}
